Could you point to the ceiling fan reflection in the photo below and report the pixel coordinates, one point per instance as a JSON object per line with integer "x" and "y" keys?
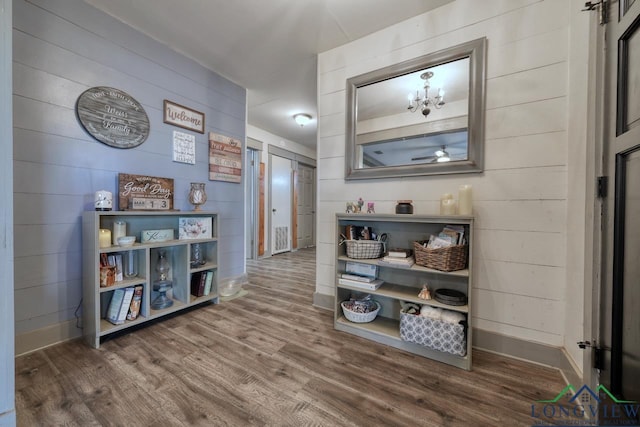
{"x": 440, "y": 156}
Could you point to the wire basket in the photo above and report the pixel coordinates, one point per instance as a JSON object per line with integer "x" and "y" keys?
{"x": 451, "y": 258}
{"x": 364, "y": 249}
{"x": 357, "y": 317}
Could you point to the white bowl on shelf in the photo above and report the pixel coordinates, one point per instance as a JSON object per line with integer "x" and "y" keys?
{"x": 126, "y": 240}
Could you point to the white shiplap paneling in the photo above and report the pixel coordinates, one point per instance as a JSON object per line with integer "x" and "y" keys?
{"x": 520, "y": 199}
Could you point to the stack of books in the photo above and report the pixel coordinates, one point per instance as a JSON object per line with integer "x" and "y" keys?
{"x": 362, "y": 282}
{"x": 402, "y": 258}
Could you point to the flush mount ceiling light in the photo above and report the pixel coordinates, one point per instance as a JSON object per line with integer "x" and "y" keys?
{"x": 302, "y": 119}
{"x": 422, "y": 101}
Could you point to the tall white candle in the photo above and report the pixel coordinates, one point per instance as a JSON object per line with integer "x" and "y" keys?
{"x": 465, "y": 200}
{"x": 119, "y": 230}
{"x": 104, "y": 238}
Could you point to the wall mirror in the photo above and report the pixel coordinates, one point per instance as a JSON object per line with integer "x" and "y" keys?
{"x": 424, "y": 116}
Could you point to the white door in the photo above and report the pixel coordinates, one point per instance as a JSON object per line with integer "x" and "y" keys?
{"x": 306, "y": 206}
{"x": 281, "y": 203}
{"x": 620, "y": 306}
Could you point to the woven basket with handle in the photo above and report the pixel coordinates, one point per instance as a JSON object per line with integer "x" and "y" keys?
{"x": 451, "y": 258}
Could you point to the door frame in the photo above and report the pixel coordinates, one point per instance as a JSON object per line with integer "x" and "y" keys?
{"x": 252, "y": 199}
{"x": 295, "y": 160}
{"x": 612, "y": 156}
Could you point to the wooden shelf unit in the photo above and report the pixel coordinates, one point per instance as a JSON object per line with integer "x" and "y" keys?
{"x": 404, "y": 284}
{"x": 96, "y": 299}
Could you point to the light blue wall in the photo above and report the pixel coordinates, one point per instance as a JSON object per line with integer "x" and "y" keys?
{"x": 60, "y": 49}
{"x": 7, "y": 366}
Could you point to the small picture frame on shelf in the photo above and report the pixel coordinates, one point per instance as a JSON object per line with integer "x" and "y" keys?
{"x": 194, "y": 228}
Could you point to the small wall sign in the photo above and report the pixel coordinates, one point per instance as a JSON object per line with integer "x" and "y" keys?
{"x": 145, "y": 193}
{"x": 225, "y": 158}
{"x": 184, "y": 117}
{"x": 184, "y": 147}
{"x": 112, "y": 117}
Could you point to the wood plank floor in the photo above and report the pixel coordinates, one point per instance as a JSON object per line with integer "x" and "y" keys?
{"x": 268, "y": 359}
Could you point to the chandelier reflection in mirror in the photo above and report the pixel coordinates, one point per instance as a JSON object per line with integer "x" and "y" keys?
{"x": 424, "y": 102}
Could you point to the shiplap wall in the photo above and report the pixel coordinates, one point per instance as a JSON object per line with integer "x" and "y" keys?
{"x": 61, "y": 48}
{"x": 520, "y": 199}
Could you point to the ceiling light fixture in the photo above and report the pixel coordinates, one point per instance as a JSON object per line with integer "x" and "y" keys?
{"x": 423, "y": 104}
{"x": 302, "y": 119}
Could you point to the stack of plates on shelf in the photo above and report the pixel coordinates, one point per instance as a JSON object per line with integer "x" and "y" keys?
{"x": 450, "y": 297}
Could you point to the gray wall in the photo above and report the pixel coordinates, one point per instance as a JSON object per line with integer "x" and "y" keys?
{"x": 61, "y": 48}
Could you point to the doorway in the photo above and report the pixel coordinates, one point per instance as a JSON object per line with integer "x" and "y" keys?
{"x": 252, "y": 181}
{"x": 619, "y": 314}
{"x": 305, "y": 206}
{"x": 281, "y": 204}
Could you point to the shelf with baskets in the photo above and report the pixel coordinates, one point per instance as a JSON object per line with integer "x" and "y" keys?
{"x": 157, "y": 296}
{"x": 402, "y": 284}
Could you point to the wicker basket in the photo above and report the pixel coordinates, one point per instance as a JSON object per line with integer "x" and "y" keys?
{"x": 356, "y": 317}
{"x": 451, "y": 258}
{"x": 364, "y": 249}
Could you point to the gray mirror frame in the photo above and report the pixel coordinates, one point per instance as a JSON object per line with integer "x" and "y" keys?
{"x": 475, "y": 50}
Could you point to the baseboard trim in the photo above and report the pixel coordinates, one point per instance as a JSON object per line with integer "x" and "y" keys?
{"x": 323, "y": 301}
{"x": 46, "y": 337}
{"x": 542, "y": 354}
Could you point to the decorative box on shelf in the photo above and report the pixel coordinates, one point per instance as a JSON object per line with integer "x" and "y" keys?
{"x": 433, "y": 333}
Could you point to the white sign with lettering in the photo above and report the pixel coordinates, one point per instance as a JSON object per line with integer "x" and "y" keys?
{"x": 184, "y": 147}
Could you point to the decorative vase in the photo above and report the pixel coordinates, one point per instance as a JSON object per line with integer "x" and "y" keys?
{"x": 197, "y": 195}
{"x": 162, "y": 285}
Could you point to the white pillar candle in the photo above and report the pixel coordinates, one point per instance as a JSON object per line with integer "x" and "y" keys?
{"x": 448, "y": 207}
{"x": 465, "y": 200}
{"x": 119, "y": 230}
{"x": 104, "y": 238}
{"x": 445, "y": 196}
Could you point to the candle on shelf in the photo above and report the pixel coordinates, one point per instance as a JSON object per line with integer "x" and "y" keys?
{"x": 448, "y": 207}
{"x": 104, "y": 238}
{"x": 119, "y": 230}
{"x": 464, "y": 197}
{"x": 445, "y": 196}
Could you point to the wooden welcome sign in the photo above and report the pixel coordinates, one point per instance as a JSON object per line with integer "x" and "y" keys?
{"x": 145, "y": 193}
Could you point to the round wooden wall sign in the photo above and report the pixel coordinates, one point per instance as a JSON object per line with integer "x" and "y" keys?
{"x": 113, "y": 117}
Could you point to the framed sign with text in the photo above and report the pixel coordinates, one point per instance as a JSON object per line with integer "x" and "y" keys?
{"x": 113, "y": 117}
{"x": 144, "y": 193}
{"x": 184, "y": 117}
{"x": 225, "y": 158}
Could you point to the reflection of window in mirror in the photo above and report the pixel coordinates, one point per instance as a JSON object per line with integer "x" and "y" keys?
{"x": 414, "y": 118}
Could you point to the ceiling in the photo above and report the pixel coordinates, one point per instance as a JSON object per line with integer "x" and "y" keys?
{"x": 269, "y": 47}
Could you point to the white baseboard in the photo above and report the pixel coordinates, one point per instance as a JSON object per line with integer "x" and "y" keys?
{"x": 45, "y": 337}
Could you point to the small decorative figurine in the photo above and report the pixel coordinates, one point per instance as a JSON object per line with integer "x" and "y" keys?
{"x": 424, "y": 293}
{"x": 350, "y": 208}
{"x": 370, "y": 208}
{"x": 360, "y": 204}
